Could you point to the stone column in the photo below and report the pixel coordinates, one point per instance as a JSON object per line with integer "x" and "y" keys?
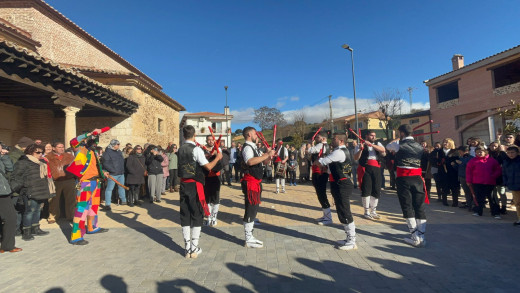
{"x": 70, "y": 123}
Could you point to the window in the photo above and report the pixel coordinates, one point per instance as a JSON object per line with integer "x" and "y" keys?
{"x": 217, "y": 127}
{"x": 159, "y": 125}
{"x": 448, "y": 92}
{"x": 507, "y": 74}
{"x": 414, "y": 121}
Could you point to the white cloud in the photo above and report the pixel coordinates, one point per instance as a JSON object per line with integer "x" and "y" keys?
{"x": 341, "y": 106}
{"x": 294, "y": 99}
{"x": 243, "y": 115}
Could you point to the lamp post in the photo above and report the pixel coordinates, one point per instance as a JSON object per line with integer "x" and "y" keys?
{"x": 345, "y": 46}
{"x": 226, "y": 110}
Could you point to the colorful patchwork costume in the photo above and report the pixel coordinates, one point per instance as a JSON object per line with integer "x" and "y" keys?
{"x": 87, "y": 167}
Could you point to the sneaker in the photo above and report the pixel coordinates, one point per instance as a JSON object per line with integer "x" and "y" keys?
{"x": 517, "y": 223}
{"x": 107, "y": 208}
{"x": 254, "y": 243}
{"x": 498, "y": 217}
{"x": 325, "y": 222}
{"x": 375, "y": 216}
{"x": 283, "y": 190}
{"x": 368, "y": 216}
{"x": 476, "y": 215}
{"x": 277, "y": 191}
{"x": 414, "y": 243}
{"x": 347, "y": 245}
{"x": 294, "y": 184}
{"x": 321, "y": 219}
{"x": 81, "y": 242}
{"x": 195, "y": 252}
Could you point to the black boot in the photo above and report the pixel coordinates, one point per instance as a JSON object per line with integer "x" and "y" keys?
{"x": 35, "y": 230}
{"x": 27, "y": 234}
{"x": 445, "y": 199}
{"x": 130, "y": 199}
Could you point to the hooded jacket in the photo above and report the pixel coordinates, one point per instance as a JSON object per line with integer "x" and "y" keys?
{"x": 483, "y": 170}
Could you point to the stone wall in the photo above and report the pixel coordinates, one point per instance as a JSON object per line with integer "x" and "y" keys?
{"x": 59, "y": 43}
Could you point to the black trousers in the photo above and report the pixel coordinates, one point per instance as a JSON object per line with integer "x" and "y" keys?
{"x": 174, "y": 178}
{"x": 438, "y": 183}
{"x": 483, "y": 191}
{"x": 371, "y": 182}
{"x": 133, "y": 193}
{"x": 320, "y": 185}
{"x": 212, "y": 190}
{"x": 250, "y": 210}
{"x": 410, "y": 191}
{"x": 238, "y": 171}
{"x": 8, "y": 217}
{"x": 341, "y": 192}
{"x": 190, "y": 206}
{"x": 452, "y": 187}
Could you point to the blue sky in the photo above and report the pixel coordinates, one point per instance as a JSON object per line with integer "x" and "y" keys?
{"x": 287, "y": 54}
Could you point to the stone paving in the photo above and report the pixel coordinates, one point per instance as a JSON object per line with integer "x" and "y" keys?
{"x": 142, "y": 252}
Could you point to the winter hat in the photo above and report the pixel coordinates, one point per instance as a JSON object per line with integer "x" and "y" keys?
{"x": 25, "y": 142}
{"x": 113, "y": 143}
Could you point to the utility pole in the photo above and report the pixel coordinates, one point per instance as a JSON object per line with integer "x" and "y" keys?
{"x": 410, "y": 90}
{"x": 331, "y": 121}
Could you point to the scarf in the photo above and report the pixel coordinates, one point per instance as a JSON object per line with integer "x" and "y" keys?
{"x": 45, "y": 171}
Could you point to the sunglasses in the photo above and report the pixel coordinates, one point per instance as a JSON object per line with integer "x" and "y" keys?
{"x": 38, "y": 153}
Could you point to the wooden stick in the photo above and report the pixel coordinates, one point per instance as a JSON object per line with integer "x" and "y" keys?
{"x": 314, "y": 136}
{"x": 362, "y": 140}
{"x": 117, "y": 182}
{"x": 420, "y": 134}
{"x": 274, "y": 135}
{"x": 421, "y": 125}
{"x": 262, "y": 139}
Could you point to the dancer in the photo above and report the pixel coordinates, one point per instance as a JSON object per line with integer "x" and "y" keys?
{"x": 87, "y": 167}
{"x": 340, "y": 168}
{"x": 409, "y": 183}
{"x": 191, "y": 163}
{"x": 280, "y": 164}
{"x": 370, "y": 154}
{"x": 252, "y": 183}
{"x": 320, "y": 176}
{"x": 212, "y": 181}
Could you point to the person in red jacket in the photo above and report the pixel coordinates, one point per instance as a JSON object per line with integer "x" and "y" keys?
{"x": 481, "y": 174}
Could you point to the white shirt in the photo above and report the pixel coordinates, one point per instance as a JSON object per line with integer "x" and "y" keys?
{"x": 394, "y": 146}
{"x": 198, "y": 154}
{"x": 317, "y": 148}
{"x": 285, "y": 152}
{"x": 338, "y": 155}
{"x": 232, "y": 155}
{"x": 371, "y": 152}
{"x": 248, "y": 153}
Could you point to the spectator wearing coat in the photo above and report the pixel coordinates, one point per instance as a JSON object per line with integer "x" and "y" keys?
{"x": 511, "y": 176}
{"x": 135, "y": 174}
{"x": 155, "y": 173}
{"x": 172, "y": 168}
{"x": 7, "y": 211}
{"x": 114, "y": 163}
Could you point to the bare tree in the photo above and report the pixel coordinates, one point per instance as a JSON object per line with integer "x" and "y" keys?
{"x": 300, "y": 127}
{"x": 390, "y": 103}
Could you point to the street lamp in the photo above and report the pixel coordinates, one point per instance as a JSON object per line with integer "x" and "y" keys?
{"x": 345, "y": 46}
{"x": 226, "y": 110}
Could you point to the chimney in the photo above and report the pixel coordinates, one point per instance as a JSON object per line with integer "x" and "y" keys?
{"x": 457, "y": 61}
{"x": 226, "y": 110}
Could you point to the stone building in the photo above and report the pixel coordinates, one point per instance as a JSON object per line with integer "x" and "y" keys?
{"x": 56, "y": 81}
{"x": 220, "y": 123}
{"x": 464, "y": 101}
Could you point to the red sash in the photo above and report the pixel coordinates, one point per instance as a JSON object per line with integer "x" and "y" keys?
{"x": 316, "y": 169}
{"x": 373, "y": 163}
{"x": 360, "y": 173}
{"x": 213, "y": 174}
{"x": 404, "y": 172}
{"x": 331, "y": 179}
{"x": 200, "y": 193}
{"x": 253, "y": 189}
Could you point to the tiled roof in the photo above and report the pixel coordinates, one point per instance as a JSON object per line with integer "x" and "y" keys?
{"x": 13, "y": 30}
{"x": 205, "y": 114}
{"x": 416, "y": 114}
{"x": 127, "y": 64}
{"x": 91, "y": 86}
{"x": 472, "y": 66}
{"x": 374, "y": 114}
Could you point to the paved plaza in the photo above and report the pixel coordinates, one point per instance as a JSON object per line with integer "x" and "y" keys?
{"x": 143, "y": 251}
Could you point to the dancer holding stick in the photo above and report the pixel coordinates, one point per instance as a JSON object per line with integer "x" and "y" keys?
{"x": 320, "y": 176}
